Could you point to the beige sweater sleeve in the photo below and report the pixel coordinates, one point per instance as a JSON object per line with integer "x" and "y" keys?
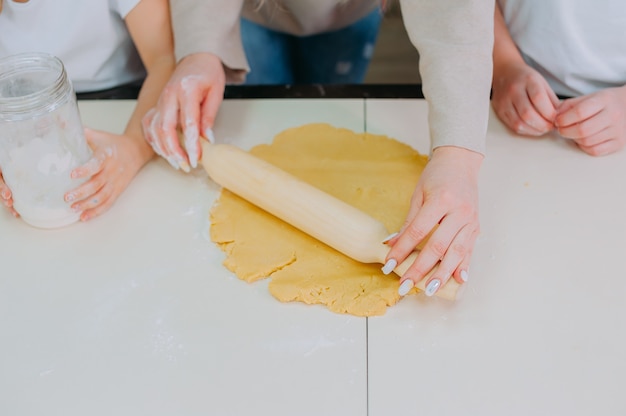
{"x": 210, "y": 26}
{"x": 455, "y": 41}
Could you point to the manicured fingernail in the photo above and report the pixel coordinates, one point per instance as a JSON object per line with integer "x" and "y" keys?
{"x": 193, "y": 157}
{"x": 389, "y": 237}
{"x": 432, "y": 287}
{"x": 191, "y": 143}
{"x": 69, "y": 197}
{"x": 389, "y": 266}
{"x": 184, "y": 166}
{"x": 208, "y": 133}
{"x": 405, "y": 287}
{"x": 173, "y": 162}
{"x": 464, "y": 275}
{"x": 6, "y": 194}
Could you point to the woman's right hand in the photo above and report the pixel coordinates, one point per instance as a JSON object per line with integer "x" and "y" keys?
{"x": 444, "y": 213}
{"x": 190, "y": 100}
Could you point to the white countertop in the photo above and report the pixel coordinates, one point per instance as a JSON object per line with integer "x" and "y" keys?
{"x": 133, "y": 314}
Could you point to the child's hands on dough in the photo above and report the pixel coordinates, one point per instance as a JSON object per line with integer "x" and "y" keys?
{"x": 596, "y": 122}
{"x": 446, "y": 197}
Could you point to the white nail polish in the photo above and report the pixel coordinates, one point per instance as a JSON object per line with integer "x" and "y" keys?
{"x": 185, "y": 166}
{"x": 191, "y": 143}
{"x": 182, "y": 163}
{"x": 192, "y": 153}
{"x": 405, "y": 287}
{"x": 389, "y": 266}
{"x": 432, "y": 287}
{"x": 172, "y": 162}
{"x": 389, "y": 237}
{"x": 464, "y": 275}
{"x": 208, "y": 133}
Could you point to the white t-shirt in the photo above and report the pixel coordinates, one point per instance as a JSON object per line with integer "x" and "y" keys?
{"x": 89, "y": 36}
{"x": 579, "y": 46}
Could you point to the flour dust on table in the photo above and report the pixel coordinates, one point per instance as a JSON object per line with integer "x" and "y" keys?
{"x": 373, "y": 173}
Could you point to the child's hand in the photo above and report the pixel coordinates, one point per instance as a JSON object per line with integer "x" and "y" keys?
{"x": 6, "y": 196}
{"x": 523, "y": 100}
{"x": 596, "y": 122}
{"x": 115, "y": 162}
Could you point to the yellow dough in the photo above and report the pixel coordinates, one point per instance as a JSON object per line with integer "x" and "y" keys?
{"x": 373, "y": 173}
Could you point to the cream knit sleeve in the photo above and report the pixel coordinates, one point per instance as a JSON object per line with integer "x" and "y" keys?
{"x": 210, "y": 26}
{"x": 455, "y": 42}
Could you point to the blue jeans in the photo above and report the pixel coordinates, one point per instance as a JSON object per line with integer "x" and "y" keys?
{"x": 339, "y": 57}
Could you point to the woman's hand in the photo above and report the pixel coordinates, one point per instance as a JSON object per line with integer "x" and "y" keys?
{"x": 445, "y": 202}
{"x": 190, "y": 100}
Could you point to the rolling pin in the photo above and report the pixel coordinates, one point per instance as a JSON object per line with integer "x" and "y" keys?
{"x": 320, "y": 215}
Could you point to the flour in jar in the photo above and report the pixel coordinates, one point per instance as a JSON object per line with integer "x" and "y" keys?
{"x": 39, "y": 175}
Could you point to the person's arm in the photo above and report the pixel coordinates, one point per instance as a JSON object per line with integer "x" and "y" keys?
{"x": 149, "y": 26}
{"x": 118, "y": 158}
{"x": 505, "y": 52}
{"x": 524, "y": 101}
{"x": 454, "y": 39}
{"x": 522, "y": 98}
{"x": 210, "y": 26}
{"x": 210, "y": 50}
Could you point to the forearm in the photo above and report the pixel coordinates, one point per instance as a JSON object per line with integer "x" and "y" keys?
{"x": 157, "y": 77}
{"x": 455, "y": 42}
{"x": 505, "y": 52}
{"x": 210, "y": 26}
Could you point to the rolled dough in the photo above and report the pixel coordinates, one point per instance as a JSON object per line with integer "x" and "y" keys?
{"x": 374, "y": 173}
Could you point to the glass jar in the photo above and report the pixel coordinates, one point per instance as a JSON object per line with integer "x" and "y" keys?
{"x": 41, "y": 138}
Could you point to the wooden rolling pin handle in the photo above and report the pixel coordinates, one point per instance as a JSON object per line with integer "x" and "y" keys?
{"x": 307, "y": 208}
